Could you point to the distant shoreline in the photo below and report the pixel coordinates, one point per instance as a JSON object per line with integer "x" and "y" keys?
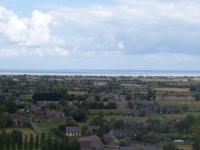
{"x": 114, "y": 73}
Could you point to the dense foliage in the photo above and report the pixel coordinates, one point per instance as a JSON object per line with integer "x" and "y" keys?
{"x": 17, "y": 141}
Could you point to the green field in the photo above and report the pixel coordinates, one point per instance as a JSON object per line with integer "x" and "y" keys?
{"x": 192, "y": 105}
{"x": 47, "y": 126}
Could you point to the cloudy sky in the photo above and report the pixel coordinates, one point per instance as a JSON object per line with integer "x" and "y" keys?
{"x": 100, "y": 34}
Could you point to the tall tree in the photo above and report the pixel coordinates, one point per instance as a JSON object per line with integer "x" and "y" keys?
{"x": 31, "y": 142}
{"x": 42, "y": 142}
{"x": 37, "y": 140}
{"x": 8, "y": 139}
{"x": 25, "y": 142}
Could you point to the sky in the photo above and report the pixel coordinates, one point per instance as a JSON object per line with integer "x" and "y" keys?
{"x": 100, "y": 34}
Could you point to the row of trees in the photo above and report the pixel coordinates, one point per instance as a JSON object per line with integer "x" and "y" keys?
{"x": 101, "y": 105}
{"x": 17, "y": 141}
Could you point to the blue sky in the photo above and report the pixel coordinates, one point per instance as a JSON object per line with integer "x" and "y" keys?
{"x": 100, "y": 34}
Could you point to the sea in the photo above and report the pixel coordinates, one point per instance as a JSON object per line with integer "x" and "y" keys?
{"x": 195, "y": 73}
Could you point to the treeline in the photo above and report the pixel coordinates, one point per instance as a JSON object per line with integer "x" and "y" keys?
{"x": 47, "y": 96}
{"x": 101, "y": 105}
{"x": 15, "y": 140}
{"x": 56, "y": 97}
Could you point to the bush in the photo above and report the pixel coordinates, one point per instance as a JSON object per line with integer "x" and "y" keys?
{"x": 170, "y": 146}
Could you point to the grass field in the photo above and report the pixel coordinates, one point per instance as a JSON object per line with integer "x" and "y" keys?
{"x": 192, "y": 105}
{"x": 185, "y": 147}
{"x": 184, "y": 90}
{"x": 47, "y": 126}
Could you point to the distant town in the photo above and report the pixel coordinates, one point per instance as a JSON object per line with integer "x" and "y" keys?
{"x": 99, "y": 112}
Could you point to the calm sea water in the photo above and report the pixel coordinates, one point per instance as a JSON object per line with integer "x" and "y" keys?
{"x": 103, "y": 72}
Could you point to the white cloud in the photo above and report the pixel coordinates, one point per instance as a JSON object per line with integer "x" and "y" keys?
{"x": 39, "y": 27}
{"x": 29, "y": 30}
{"x": 120, "y": 45}
{"x": 130, "y": 30}
{"x": 145, "y": 26}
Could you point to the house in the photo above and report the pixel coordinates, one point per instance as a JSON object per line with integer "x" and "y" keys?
{"x": 168, "y": 109}
{"x": 129, "y": 122}
{"x": 92, "y": 142}
{"x": 36, "y": 109}
{"x": 147, "y": 109}
{"x": 19, "y": 120}
{"x": 121, "y": 133}
{"x": 53, "y": 115}
{"x": 73, "y": 131}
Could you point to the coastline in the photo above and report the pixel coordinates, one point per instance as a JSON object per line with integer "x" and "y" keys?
{"x": 110, "y": 73}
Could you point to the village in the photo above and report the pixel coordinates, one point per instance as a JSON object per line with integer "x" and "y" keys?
{"x": 103, "y": 113}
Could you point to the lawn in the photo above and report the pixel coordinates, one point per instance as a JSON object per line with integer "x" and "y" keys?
{"x": 192, "y": 105}
{"x": 47, "y": 126}
{"x": 185, "y": 147}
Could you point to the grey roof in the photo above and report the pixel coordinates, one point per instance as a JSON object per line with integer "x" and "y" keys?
{"x": 122, "y": 132}
{"x": 73, "y": 129}
{"x": 18, "y": 117}
{"x": 53, "y": 113}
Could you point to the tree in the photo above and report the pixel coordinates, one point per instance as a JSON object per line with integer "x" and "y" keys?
{"x": 25, "y": 142}
{"x": 13, "y": 140}
{"x": 49, "y": 142}
{"x": 119, "y": 124}
{"x": 151, "y": 94}
{"x": 76, "y": 113}
{"x": 187, "y": 123}
{"x": 111, "y": 105}
{"x": 11, "y": 107}
{"x": 3, "y": 120}
{"x": 31, "y": 142}
{"x": 73, "y": 144}
{"x": 71, "y": 122}
{"x": 196, "y": 137}
{"x": 102, "y": 122}
{"x": 197, "y": 96}
{"x": 37, "y": 140}
{"x": 2, "y": 139}
{"x": 8, "y": 139}
{"x": 42, "y": 141}
{"x": 19, "y": 140}
{"x": 185, "y": 108}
